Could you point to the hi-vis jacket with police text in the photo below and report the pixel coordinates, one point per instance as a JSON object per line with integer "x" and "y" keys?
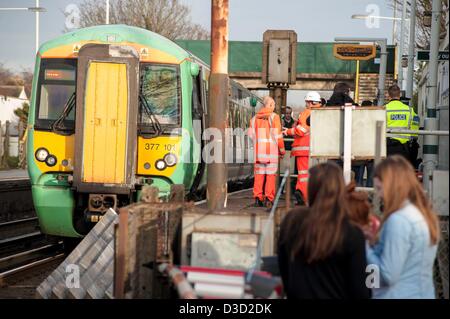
{"x": 399, "y": 116}
{"x": 265, "y": 131}
{"x": 415, "y": 123}
{"x": 300, "y": 147}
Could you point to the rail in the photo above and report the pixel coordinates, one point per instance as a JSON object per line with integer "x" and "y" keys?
{"x": 418, "y": 132}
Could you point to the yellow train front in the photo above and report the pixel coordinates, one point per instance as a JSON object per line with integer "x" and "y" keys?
{"x": 115, "y": 108}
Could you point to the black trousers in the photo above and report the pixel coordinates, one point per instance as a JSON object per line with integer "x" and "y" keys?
{"x": 394, "y": 147}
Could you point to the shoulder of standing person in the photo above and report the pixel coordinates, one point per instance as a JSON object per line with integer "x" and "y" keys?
{"x": 291, "y": 222}
{"x": 354, "y": 236}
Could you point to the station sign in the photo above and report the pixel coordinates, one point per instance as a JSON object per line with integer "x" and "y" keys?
{"x": 354, "y": 51}
{"x": 425, "y": 56}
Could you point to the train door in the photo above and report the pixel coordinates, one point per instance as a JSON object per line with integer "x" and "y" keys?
{"x": 106, "y": 122}
{"x": 105, "y": 134}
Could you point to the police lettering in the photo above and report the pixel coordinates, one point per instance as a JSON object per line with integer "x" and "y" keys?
{"x": 398, "y": 117}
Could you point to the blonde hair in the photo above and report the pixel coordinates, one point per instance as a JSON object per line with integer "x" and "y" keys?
{"x": 399, "y": 184}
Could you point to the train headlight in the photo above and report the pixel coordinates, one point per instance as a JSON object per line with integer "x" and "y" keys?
{"x": 160, "y": 165}
{"x": 51, "y": 160}
{"x": 170, "y": 159}
{"x": 41, "y": 154}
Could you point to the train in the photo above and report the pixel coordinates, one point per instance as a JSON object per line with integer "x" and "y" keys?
{"x": 114, "y": 108}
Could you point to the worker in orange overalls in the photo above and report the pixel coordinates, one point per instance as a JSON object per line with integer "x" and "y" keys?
{"x": 300, "y": 147}
{"x": 265, "y": 131}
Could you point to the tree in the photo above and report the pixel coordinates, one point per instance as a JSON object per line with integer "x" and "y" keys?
{"x": 8, "y": 77}
{"x": 423, "y": 32}
{"x": 169, "y": 18}
{"x": 5, "y": 74}
{"x": 22, "y": 113}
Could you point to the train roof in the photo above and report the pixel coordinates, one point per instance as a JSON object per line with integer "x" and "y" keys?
{"x": 118, "y": 33}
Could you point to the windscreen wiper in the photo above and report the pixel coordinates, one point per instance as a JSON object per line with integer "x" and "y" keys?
{"x": 58, "y": 125}
{"x": 155, "y": 123}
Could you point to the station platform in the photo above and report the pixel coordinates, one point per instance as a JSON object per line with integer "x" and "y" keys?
{"x": 242, "y": 201}
{"x": 13, "y": 174}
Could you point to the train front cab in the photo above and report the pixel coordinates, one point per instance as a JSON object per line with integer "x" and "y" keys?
{"x": 120, "y": 146}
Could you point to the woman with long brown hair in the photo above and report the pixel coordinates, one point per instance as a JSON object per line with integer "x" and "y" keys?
{"x": 321, "y": 254}
{"x": 406, "y": 249}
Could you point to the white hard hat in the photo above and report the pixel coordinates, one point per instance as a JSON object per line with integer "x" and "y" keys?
{"x": 313, "y": 96}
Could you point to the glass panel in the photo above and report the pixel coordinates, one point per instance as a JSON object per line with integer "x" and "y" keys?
{"x": 160, "y": 88}
{"x": 53, "y": 100}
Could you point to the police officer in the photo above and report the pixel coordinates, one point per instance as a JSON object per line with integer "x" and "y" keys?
{"x": 398, "y": 116}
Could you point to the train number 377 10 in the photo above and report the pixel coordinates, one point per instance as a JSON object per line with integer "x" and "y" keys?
{"x": 157, "y": 146}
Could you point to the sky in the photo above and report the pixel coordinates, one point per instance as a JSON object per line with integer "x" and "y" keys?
{"x": 314, "y": 21}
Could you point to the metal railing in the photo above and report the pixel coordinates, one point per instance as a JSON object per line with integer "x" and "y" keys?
{"x": 418, "y": 132}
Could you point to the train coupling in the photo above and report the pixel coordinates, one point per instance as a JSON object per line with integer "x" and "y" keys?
{"x": 98, "y": 204}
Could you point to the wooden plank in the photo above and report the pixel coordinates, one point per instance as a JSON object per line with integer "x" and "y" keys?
{"x": 121, "y": 248}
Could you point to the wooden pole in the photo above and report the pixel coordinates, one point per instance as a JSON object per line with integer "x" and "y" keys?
{"x": 218, "y": 104}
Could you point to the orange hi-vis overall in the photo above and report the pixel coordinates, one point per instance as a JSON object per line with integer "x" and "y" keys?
{"x": 265, "y": 131}
{"x": 300, "y": 149}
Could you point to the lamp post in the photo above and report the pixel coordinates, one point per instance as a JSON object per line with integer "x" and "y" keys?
{"x": 107, "y": 11}
{"x": 402, "y": 20}
{"x": 37, "y": 9}
{"x": 37, "y": 26}
{"x": 401, "y": 48}
{"x": 431, "y": 142}
{"x": 411, "y": 53}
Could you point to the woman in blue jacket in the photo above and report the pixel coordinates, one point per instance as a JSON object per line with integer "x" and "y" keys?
{"x": 406, "y": 249}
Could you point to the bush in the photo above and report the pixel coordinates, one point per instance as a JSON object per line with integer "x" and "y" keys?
{"x": 13, "y": 161}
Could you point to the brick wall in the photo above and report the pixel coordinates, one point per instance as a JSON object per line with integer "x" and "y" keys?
{"x": 368, "y": 84}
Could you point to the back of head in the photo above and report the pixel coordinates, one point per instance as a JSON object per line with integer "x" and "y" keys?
{"x": 366, "y": 103}
{"x": 269, "y": 102}
{"x": 394, "y": 92}
{"x": 340, "y": 95}
{"x": 321, "y": 232}
{"x": 341, "y": 87}
{"x": 358, "y": 206}
{"x": 399, "y": 183}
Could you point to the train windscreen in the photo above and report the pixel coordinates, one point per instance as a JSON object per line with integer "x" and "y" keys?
{"x": 160, "y": 95}
{"x": 56, "y": 90}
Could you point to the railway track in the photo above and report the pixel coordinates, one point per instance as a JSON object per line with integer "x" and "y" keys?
{"x": 24, "y": 247}
{"x": 21, "y": 282}
{"x": 27, "y": 256}
{"x": 11, "y": 228}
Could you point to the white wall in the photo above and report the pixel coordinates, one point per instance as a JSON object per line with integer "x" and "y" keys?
{"x": 7, "y": 107}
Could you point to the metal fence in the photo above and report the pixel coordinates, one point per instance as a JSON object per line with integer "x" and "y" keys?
{"x": 441, "y": 279}
{"x": 12, "y": 145}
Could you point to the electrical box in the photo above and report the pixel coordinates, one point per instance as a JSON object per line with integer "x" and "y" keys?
{"x": 279, "y": 57}
{"x": 224, "y": 250}
{"x": 224, "y": 240}
{"x": 327, "y": 132}
{"x": 278, "y": 61}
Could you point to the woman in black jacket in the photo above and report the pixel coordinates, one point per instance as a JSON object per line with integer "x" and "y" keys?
{"x": 321, "y": 254}
{"x": 340, "y": 95}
